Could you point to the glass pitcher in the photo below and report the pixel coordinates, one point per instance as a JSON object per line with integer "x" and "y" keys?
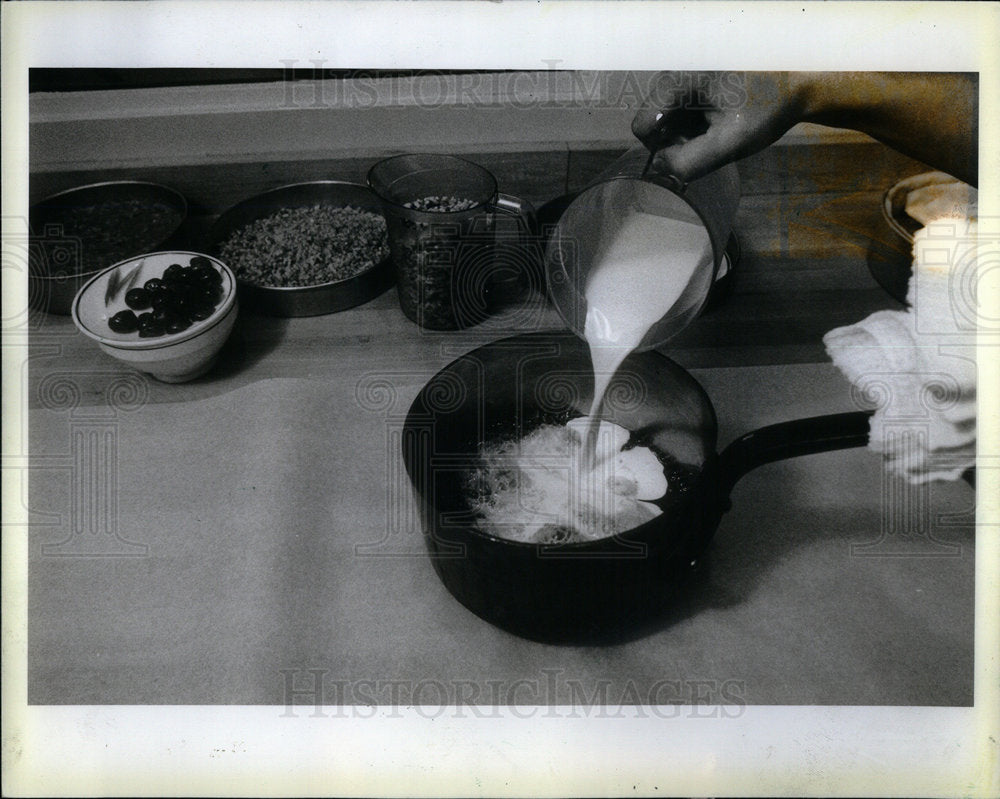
{"x": 605, "y": 211}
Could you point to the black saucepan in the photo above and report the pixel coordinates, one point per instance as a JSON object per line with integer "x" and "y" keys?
{"x": 578, "y": 591}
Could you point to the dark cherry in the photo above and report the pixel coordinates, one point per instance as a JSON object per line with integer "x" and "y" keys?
{"x": 163, "y": 315}
{"x": 138, "y": 299}
{"x": 124, "y": 322}
{"x": 163, "y": 299}
{"x": 200, "y": 311}
{"x": 148, "y": 326}
{"x": 183, "y": 295}
{"x": 172, "y": 272}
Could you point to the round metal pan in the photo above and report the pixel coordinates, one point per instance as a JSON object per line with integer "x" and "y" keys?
{"x": 58, "y": 258}
{"x": 892, "y": 264}
{"x": 314, "y": 300}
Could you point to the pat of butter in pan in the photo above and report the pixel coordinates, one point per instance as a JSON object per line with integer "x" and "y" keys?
{"x": 637, "y": 465}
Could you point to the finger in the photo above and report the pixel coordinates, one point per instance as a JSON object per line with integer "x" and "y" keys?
{"x": 644, "y": 125}
{"x": 670, "y": 91}
{"x": 675, "y": 127}
{"x": 697, "y": 157}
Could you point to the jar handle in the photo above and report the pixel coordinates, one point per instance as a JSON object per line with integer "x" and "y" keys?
{"x": 525, "y": 271}
{"x": 521, "y": 209}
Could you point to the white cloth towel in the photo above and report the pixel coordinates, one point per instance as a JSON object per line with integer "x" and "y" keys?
{"x": 918, "y": 366}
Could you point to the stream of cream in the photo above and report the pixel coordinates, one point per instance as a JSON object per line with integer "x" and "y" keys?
{"x": 578, "y": 482}
{"x": 638, "y": 277}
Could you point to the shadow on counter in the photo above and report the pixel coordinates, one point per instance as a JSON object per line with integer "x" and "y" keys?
{"x": 253, "y": 338}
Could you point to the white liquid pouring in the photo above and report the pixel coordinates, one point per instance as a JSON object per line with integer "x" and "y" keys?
{"x": 643, "y": 273}
{"x": 577, "y": 483}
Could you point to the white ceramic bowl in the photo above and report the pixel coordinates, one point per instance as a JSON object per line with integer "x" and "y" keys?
{"x": 174, "y": 357}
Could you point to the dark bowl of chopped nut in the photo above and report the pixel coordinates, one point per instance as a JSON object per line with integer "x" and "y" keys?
{"x": 78, "y": 233}
{"x": 305, "y": 249}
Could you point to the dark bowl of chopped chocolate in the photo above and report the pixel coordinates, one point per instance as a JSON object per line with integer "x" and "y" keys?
{"x": 78, "y": 233}
{"x": 305, "y": 249}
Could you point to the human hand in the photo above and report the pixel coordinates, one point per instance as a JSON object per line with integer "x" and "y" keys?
{"x": 698, "y": 121}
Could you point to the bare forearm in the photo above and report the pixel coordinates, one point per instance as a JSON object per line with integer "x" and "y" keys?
{"x": 928, "y": 116}
{"x": 932, "y": 117}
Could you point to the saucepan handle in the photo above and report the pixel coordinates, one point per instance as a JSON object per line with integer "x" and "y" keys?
{"x": 789, "y": 440}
